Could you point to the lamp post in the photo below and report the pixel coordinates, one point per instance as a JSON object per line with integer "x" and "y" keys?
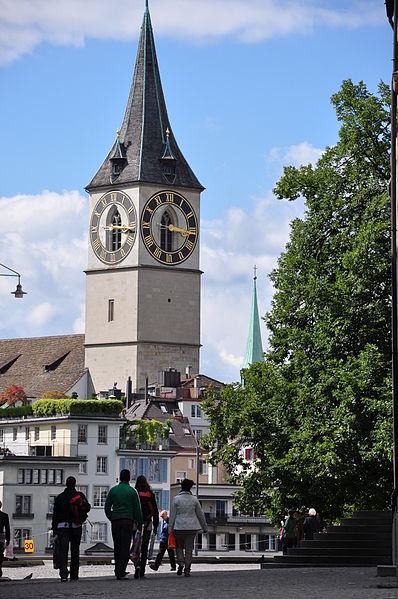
{"x": 18, "y": 293}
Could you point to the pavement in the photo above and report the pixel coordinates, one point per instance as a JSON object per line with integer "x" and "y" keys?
{"x": 208, "y": 581}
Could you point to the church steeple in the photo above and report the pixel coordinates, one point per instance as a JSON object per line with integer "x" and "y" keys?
{"x": 254, "y": 346}
{"x": 145, "y": 150}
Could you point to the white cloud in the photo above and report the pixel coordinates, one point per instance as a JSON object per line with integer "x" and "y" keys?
{"x": 49, "y": 249}
{"x": 302, "y": 154}
{"x": 27, "y": 23}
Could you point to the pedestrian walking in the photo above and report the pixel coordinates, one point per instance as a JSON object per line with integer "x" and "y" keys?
{"x": 123, "y": 509}
{"x": 289, "y": 532}
{"x": 70, "y": 512}
{"x": 311, "y": 525}
{"x": 164, "y": 544}
{"x": 150, "y": 517}
{"x": 186, "y": 519}
{"x": 299, "y": 529}
{"x": 5, "y": 536}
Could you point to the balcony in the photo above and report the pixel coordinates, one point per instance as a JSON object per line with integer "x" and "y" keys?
{"x": 132, "y": 443}
{"x": 54, "y": 449}
{"x": 235, "y": 519}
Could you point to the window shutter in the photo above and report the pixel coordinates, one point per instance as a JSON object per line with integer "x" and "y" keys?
{"x": 247, "y": 454}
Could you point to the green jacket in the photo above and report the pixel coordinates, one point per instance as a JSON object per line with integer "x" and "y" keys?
{"x": 289, "y": 528}
{"x": 123, "y": 502}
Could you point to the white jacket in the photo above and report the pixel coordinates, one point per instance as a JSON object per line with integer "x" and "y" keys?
{"x": 186, "y": 513}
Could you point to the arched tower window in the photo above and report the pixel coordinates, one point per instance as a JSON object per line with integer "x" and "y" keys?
{"x": 116, "y": 234}
{"x": 165, "y": 233}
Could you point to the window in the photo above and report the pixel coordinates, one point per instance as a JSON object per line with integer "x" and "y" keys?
{"x": 51, "y": 500}
{"x": 1, "y": 436}
{"x": 82, "y": 433}
{"x": 84, "y": 533}
{"x": 187, "y": 431}
{"x": 27, "y": 432}
{"x": 191, "y": 463}
{"x": 116, "y": 234}
{"x": 180, "y": 475}
{"x": 59, "y": 476}
{"x": 23, "y": 504}
{"x": 111, "y": 310}
{"x": 28, "y": 476}
{"x": 83, "y": 489}
{"x": 44, "y": 476}
{"x": 249, "y": 454}
{"x": 154, "y": 470}
{"x": 102, "y": 465}
{"x": 102, "y": 434}
{"x": 20, "y": 476}
{"x": 37, "y": 433}
{"x": 198, "y": 433}
{"x": 99, "y": 496}
{"x": 53, "y": 432}
{"x": 165, "y": 233}
{"x": 36, "y": 476}
{"x": 163, "y": 408}
{"x": 196, "y": 412}
{"x": 202, "y": 467}
{"x": 51, "y": 477}
{"x": 20, "y": 535}
{"x": 14, "y": 433}
{"x": 83, "y": 465}
{"x": 99, "y": 532}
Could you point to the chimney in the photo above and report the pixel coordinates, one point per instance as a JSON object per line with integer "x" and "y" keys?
{"x": 188, "y": 371}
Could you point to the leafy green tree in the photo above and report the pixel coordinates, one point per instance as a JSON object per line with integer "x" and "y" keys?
{"x": 318, "y": 411}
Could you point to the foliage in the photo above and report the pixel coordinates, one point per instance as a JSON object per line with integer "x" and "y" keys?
{"x": 50, "y": 407}
{"x": 147, "y": 432}
{"x": 12, "y": 395}
{"x": 16, "y": 412}
{"x": 53, "y": 394}
{"x": 318, "y": 411}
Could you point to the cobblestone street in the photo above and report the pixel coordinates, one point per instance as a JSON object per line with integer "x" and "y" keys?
{"x": 206, "y": 582}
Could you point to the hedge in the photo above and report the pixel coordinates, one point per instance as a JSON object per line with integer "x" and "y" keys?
{"x": 50, "y": 407}
{"x": 16, "y": 412}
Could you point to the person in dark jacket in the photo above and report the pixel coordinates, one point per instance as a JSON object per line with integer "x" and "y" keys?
{"x": 5, "y": 536}
{"x": 311, "y": 525}
{"x": 123, "y": 509}
{"x": 289, "y": 532}
{"x": 164, "y": 544}
{"x": 150, "y": 516}
{"x": 68, "y": 532}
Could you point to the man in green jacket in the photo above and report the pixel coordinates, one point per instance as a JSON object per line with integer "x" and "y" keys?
{"x": 123, "y": 509}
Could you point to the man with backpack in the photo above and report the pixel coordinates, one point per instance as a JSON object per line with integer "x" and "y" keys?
{"x": 70, "y": 512}
{"x": 150, "y": 516}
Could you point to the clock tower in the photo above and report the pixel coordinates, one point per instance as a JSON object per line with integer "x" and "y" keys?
{"x": 143, "y": 277}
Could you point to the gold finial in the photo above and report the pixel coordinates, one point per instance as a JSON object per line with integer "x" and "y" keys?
{"x": 167, "y": 132}
{"x": 118, "y": 132}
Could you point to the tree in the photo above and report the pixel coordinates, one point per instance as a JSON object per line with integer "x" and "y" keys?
{"x": 318, "y": 411}
{"x": 12, "y": 395}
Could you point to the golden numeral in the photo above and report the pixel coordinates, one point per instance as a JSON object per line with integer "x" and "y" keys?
{"x": 157, "y": 253}
{"x": 181, "y": 203}
{"x": 113, "y": 197}
{"x": 158, "y": 200}
{"x": 122, "y": 253}
{"x": 96, "y": 244}
{"x": 189, "y": 245}
{"x": 192, "y": 230}
{"x": 133, "y": 224}
{"x": 97, "y": 214}
{"x": 104, "y": 202}
{"x": 148, "y": 240}
{"x": 190, "y": 214}
{"x": 181, "y": 255}
{"x": 112, "y": 258}
{"x": 103, "y": 254}
{"x": 170, "y": 197}
{"x": 94, "y": 230}
{"x": 145, "y": 225}
{"x": 130, "y": 240}
{"x": 131, "y": 208}
{"x": 169, "y": 258}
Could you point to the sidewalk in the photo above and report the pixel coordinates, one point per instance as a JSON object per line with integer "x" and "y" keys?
{"x": 208, "y": 581}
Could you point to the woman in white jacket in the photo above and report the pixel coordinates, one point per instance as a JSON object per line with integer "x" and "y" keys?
{"x": 186, "y": 518}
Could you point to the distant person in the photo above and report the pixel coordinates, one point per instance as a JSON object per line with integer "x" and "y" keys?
{"x": 5, "y": 536}
{"x": 150, "y": 517}
{"x": 299, "y": 529}
{"x": 164, "y": 544}
{"x": 289, "y": 532}
{"x": 123, "y": 509}
{"x": 311, "y": 525}
{"x": 322, "y": 524}
{"x": 70, "y": 512}
{"x": 186, "y": 519}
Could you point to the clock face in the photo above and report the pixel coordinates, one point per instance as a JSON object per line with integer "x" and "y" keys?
{"x": 169, "y": 227}
{"x": 113, "y": 227}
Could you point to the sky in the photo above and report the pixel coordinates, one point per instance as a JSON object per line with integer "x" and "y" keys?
{"x": 247, "y": 85}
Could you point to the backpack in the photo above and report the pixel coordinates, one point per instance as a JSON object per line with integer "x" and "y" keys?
{"x": 79, "y": 508}
{"x": 146, "y": 505}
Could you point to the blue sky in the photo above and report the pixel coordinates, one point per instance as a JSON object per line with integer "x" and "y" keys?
{"x": 247, "y": 85}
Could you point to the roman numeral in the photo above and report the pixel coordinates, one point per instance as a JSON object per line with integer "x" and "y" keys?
{"x": 148, "y": 240}
{"x": 189, "y": 245}
{"x": 170, "y": 197}
{"x": 157, "y": 253}
{"x": 96, "y": 244}
{"x": 169, "y": 258}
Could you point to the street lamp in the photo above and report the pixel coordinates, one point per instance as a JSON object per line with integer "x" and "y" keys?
{"x": 18, "y": 293}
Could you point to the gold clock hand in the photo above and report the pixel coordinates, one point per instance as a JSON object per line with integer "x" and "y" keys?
{"x": 182, "y": 232}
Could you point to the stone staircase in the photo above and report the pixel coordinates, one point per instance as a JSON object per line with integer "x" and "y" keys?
{"x": 363, "y": 540}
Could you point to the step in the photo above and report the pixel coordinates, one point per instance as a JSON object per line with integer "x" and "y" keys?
{"x": 270, "y": 564}
{"x": 381, "y": 529}
{"x": 336, "y": 535}
{"x": 370, "y": 514}
{"x": 307, "y": 551}
{"x": 348, "y": 560}
{"x": 365, "y": 522}
{"x": 349, "y": 542}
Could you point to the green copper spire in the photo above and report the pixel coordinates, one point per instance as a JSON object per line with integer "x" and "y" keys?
{"x": 254, "y": 346}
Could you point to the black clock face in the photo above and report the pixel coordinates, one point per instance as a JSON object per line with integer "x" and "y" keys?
{"x": 113, "y": 227}
{"x": 169, "y": 227}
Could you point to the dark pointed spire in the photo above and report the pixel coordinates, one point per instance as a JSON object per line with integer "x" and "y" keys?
{"x": 146, "y": 149}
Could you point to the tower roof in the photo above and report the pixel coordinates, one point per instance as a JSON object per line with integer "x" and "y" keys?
{"x": 254, "y": 346}
{"x": 143, "y": 151}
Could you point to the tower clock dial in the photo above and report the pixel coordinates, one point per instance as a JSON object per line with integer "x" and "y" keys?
{"x": 169, "y": 227}
{"x": 113, "y": 227}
